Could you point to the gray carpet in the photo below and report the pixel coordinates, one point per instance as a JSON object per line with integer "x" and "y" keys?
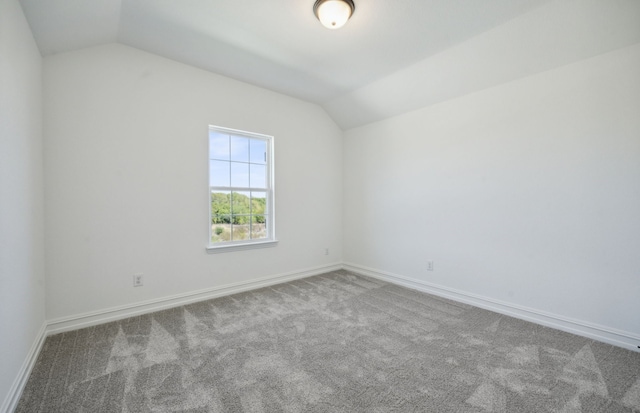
{"x": 331, "y": 343}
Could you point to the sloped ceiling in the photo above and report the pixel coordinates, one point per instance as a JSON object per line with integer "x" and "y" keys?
{"x": 392, "y": 56}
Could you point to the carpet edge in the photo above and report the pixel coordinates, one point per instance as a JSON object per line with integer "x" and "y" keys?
{"x": 106, "y": 315}
{"x": 603, "y": 334}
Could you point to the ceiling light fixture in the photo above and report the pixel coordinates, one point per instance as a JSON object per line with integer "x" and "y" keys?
{"x": 333, "y": 14}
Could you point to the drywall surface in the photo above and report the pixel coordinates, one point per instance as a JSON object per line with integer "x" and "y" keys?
{"x": 21, "y": 195}
{"x": 527, "y": 193}
{"x": 126, "y": 164}
{"x": 555, "y": 34}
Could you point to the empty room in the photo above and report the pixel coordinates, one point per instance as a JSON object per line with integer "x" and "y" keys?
{"x": 320, "y": 206}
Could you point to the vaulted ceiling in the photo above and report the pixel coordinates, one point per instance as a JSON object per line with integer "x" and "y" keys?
{"x": 392, "y": 56}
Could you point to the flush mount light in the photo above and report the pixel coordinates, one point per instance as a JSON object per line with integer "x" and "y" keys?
{"x": 333, "y": 14}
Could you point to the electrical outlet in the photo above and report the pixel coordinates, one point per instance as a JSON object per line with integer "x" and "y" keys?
{"x": 429, "y": 265}
{"x": 326, "y": 251}
{"x": 138, "y": 280}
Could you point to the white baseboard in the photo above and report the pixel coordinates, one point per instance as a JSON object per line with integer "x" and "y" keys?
{"x": 11, "y": 401}
{"x": 596, "y": 332}
{"x": 60, "y": 325}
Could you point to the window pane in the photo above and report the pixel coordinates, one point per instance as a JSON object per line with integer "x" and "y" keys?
{"x": 258, "y": 203}
{"x": 240, "y": 227}
{"x": 257, "y": 176}
{"x": 221, "y": 228}
{"x": 240, "y": 203}
{"x": 240, "y": 174}
{"x": 218, "y": 146}
{"x": 258, "y": 151}
{"x": 258, "y": 226}
{"x": 221, "y": 220}
{"x": 239, "y": 149}
{"x": 220, "y": 205}
{"x": 219, "y": 174}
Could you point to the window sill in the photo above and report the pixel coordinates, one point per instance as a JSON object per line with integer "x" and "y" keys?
{"x": 241, "y": 247}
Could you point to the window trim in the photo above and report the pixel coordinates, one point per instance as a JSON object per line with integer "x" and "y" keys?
{"x": 271, "y": 240}
{"x": 240, "y": 247}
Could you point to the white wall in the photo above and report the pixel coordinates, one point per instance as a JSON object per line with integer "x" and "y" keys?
{"x": 127, "y": 178}
{"x": 527, "y": 193}
{"x": 21, "y": 192}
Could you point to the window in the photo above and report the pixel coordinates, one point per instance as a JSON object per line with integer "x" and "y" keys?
{"x": 241, "y": 190}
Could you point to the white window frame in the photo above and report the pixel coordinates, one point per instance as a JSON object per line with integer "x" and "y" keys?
{"x": 270, "y": 240}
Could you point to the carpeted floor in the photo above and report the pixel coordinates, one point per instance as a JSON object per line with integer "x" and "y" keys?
{"x": 331, "y": 343}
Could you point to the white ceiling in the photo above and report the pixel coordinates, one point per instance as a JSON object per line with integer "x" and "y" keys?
{"x": 279, "y": 44}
